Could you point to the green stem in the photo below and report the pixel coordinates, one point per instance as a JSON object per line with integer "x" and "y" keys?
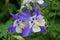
{"x": 9, "y": 38}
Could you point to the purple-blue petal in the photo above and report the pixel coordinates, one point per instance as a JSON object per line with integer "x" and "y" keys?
{"x": 22, "y": 16}
{"x": 26, "y": 31}
{"x": 27, "y": 12}
{"x": 14, "y": 16}
{"x": 36, "y": 10}
{"x": 11, "y": 28}
{"x": 35, "y": 7}
{"x": 43, "y": 29}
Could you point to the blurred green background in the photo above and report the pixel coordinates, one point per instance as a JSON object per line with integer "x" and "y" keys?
{"x": 51, "y": 13}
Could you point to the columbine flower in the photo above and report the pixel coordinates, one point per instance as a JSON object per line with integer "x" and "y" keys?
{"x": 37, "y": 22}
{"x": 24, "y": 24}
{"x": 20, "y": 24}
{"x": 40, "y": 2}
{"x": 26, "y": 2}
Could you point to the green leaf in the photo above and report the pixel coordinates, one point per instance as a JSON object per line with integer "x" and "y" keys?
{"x": 4, "y": 28}
{"x": 51, "y": 14}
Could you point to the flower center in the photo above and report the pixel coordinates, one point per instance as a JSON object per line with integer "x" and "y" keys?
{"x": 21, "y": 25}
{"x": 36, "y": 24}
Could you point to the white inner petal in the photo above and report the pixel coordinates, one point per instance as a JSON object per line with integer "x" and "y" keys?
{"x": 18, "y": 30}
{"x": 32, "y": 17}
{"x": 30, "y": 24}
{"x": 36, "y": 29}
{"x": 15, "y": 24}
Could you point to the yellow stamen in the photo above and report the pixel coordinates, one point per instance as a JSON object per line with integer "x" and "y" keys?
{"x": 21, "y": 25}
{"x": 36, "y": 24}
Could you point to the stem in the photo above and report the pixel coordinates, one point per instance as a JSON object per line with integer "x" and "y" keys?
{"x": 55, "y": 11}
{"x": 7, "y": 2}
{"x": 9, "y": 38}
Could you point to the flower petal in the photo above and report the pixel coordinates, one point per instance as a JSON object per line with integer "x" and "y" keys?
{"x": 36, "y": 29}
{"x": 11, "y": 28}
{"x": 14, "y": 16}
{"x": 22, "y": 16}
{"x": 43, "y": 29}
{"x": 44, "y": 4}
{"x": 40, "y": 1}
{"x": 26, "y": 31}
{"x": 18, "y": 30}
{"x": 30, "y": 24}
{"x": 41, "y": 20}
{"x": 36, "y": 10}
{"x": 27, "y": 12}
{"x": 40, "y": 16}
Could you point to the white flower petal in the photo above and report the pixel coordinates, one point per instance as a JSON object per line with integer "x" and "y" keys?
{"x": 18, "y": 30}
{"x": 15, "y": 23}
{"x": 40, "y": 16}
{"x": 36, "y": 29}
{"x": 41, "y": 20}
{"x": 40, "y": 1}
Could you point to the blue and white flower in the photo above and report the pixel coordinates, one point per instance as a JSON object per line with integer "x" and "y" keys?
{"x": 37, "y": 21}
{"x": 26, "y": 2}
{"x": 24, "y": 24}
{"x": 20, "y": 24}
